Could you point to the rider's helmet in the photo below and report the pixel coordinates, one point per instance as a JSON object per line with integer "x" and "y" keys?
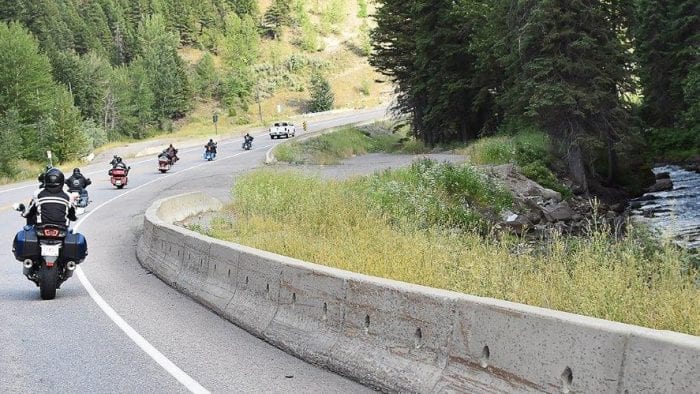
{"x": 53, "y": 180}
{"x": 76, "y": 171}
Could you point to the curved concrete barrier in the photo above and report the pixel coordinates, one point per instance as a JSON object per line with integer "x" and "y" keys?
{"x": 403, "y": 337}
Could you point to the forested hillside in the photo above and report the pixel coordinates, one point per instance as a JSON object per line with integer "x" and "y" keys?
{"x": 76, "y": 74}
{"x": 606, "y": 80}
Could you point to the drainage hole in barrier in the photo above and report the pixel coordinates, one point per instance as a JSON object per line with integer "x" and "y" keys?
{"x": 366, "y": 324}
{"x": 229, "y": 273}
{"x": 246, "y": 281}
{"x": 485, "y": 355}
{"x": 201, "y": 264}
{"x": 418, "y": 336}
{"x": 294, "y": 298}
{"x": 325, "y": 311}
{"x": 567, "y": 377}
{"x": 267, "y": 288}
{"x": 214, "y": 267}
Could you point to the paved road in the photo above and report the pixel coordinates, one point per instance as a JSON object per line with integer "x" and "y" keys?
{"x": 71, "y": 344}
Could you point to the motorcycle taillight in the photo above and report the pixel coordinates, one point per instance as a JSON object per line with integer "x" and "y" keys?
{"x": 49, "y": 232}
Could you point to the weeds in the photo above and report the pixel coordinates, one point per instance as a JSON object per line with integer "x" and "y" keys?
{"x": 368, "y": 225}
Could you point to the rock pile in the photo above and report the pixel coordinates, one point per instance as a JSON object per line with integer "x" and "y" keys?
{"x": 538, "y": 210}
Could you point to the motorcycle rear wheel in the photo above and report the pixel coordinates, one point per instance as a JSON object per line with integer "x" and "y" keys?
{"x": 48, "y": 281}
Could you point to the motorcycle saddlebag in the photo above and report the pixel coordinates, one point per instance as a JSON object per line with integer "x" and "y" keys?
{"x": 74, "y": 247}
{"x": 26, "y": 244}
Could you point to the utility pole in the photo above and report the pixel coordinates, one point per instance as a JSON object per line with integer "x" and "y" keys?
{"x": 257, "y": 89}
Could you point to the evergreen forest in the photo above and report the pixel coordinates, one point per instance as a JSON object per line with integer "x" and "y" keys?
{"x": 613, "y": 83}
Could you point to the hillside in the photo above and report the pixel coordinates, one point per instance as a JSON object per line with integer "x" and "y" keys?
{"x": 115, "y": 70}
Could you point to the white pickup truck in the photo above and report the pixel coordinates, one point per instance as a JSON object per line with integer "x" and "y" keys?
{"x": 280, "y": 129}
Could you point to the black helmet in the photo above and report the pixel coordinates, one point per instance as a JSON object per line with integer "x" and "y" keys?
{"x": 76, "y": 171}
{"x": 53, "y": 180}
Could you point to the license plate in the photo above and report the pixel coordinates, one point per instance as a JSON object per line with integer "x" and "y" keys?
{"x": 118, "y": 183}
{"x": 50, "y": 250}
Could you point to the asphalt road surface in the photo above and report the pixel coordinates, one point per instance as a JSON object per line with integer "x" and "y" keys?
{"x": 113, "y": 326}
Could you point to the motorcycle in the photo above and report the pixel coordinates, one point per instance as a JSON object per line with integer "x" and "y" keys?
{"x": 119, "y": 176}
{"x": 247, "y": 145}
{"x": 164, "y": 163}
{"x": 209, "y": 154}
{"x": 49, "y": 254}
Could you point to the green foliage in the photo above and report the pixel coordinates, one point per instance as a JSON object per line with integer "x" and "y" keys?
{"x": 166, "y": 70}
{"x": 362, "y": 8}
{"x": 309, "y": 36}
{"x": 667, "y": 34}
{"x": 673, "y": 144}
{"x": 430, "y": 194}
{"x": 96, "y": 135}
{"x": 10, "y": 142}
{"x": 239, "y": 49}
{"x": 276, "y": 17}
{"x": 65, "y": 136}
{"x": 206, "y": 80}
{"x": 530, "y": 150}
{"x": 322, "y": 96}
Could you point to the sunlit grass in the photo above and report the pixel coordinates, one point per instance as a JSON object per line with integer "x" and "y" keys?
{"x": 345, "y": 224}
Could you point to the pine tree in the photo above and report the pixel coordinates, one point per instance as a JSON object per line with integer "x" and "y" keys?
{"x": 394, "y": 52}
{"x": 574, "y": 72}
{"x": 276, "y": 17}
{"x": 667, "y": 37}
{"x": 66, "y": 138}
{"x": 322, "y": 96}
{"x": 166, "y": 70}
{"x": 26, "y": 87}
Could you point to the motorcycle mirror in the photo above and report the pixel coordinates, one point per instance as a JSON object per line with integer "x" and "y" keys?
{"x": 18, "y": 207}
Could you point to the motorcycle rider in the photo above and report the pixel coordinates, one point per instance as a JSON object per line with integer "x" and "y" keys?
{"x": 77, "y": 183}
{"x": 172, "y": 154}
{"x": 247, "y": 139}
{"x": 51, "y": 204}
{"x": 210, "y": 146}
{"x": 117, "y": 162}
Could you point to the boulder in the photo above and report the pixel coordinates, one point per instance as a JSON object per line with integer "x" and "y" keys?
{"x": 560, "y": 212}
{"x": 662, "y": 175}
{"x": 661, "y": 185}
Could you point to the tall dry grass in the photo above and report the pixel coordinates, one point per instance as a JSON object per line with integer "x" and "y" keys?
{"x": 341, "y": 224}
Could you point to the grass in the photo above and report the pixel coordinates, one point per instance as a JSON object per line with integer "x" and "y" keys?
{"x": 346, "y": 142}
{"x": 530, "y": 150}
{"x": 391, "y": 225}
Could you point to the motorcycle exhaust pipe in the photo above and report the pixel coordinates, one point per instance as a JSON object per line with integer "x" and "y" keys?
{"x": 28, "y": 263}
{"x": 70, "y": 266}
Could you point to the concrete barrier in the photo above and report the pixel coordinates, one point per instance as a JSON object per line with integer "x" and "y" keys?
{"x": 402, "y": 337}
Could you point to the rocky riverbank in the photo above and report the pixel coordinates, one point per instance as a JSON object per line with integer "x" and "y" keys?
{"x": 538, "y": 210}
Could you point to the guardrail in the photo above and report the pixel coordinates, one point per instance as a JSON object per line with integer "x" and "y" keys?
{"x": 402, "y": 337}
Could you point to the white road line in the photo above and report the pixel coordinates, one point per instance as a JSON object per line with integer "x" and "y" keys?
{"x": 140, "y": 341}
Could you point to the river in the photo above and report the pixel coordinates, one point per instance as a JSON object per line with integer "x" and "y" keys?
{"x": 674, "y": 213}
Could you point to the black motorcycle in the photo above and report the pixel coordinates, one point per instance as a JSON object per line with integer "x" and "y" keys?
{"x": 49, "y": 253}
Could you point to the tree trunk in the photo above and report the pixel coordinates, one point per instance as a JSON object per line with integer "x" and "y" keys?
{"x": 577, "y": 169}
{"x": 612, "y": 160}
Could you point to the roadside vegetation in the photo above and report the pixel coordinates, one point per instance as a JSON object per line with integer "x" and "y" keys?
{"x": 424, "y": 225}
{"x": 333, "y": 147}
{"x": 108, "y": 71}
